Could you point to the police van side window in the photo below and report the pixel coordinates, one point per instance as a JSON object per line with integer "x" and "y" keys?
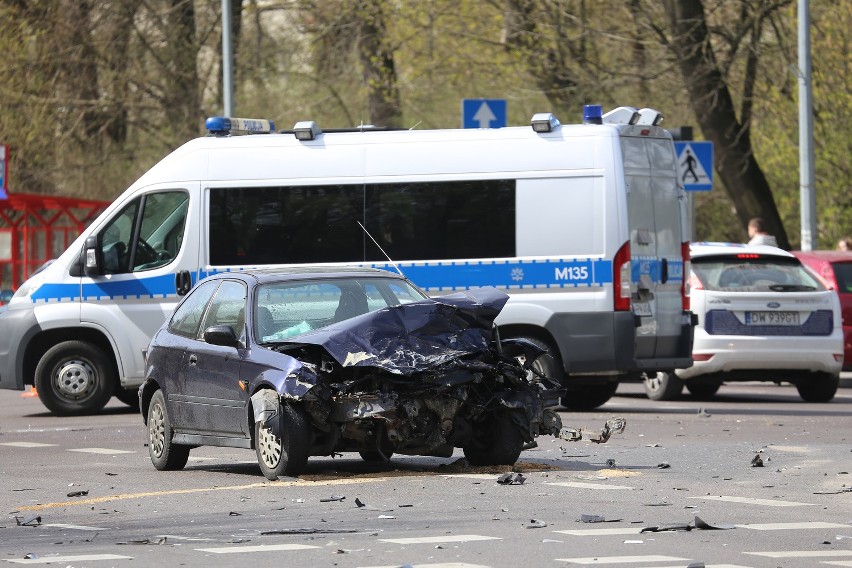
{"x": 133, "y": 243}
{"x": 410, "y": 221}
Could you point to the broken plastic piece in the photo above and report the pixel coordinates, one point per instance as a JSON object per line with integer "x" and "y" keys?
{"x": 698, "y": 564}
{"x": 612, "y": 426}
{"x": 705, "y": 526}
{"x": 610, "y": 462}
{"x": 358, "y": 503}
{"x": 78, "y": 493}
{"x": 536, "y": 524}
{"x": 333, "y": 498}
{"x": 570, "y": 434}
{"x": 32, "y": 521}
{"x": 757, "y": 461}
{"x": 663, "y": 465}
{"x": 307, "y": 530}
{"x": 511, "y": 479}
{"x": 592, "y": 519}
{"x": 669, "y": 527}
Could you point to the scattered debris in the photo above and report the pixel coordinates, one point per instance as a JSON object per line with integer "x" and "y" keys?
{"x": 698, "y": 564}
{"x": 308, "y": 530}
{"x": 386, "y": 517}
{"x": 155, "y": 541}
{"x": 32, "y": 521}
{"x": 235, "y": 514}
{"x": 78, "y": 493}
{"x": 703, "y": 413}
{"x": 610, "y": 462}
{"x": 333, "y": 498}
{"x": 663, "y": 465}
{"x": 653, "y": 445}
{"x": 835, "y": 492}
{"x": 511, "y": 479}
{"x": 536, "y": 524}
{"x": 697, "y": 524}
{"x": 757, "y": 461}
{"x": 359, "y": 503}
{"x": 596, "y": 519}
{"x": 660, "y": 504}
{"x": 30, "y": 556}
{"x": 667, "y": 528}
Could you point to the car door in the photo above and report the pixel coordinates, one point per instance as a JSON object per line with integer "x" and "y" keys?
{"x": 215, "y": 404}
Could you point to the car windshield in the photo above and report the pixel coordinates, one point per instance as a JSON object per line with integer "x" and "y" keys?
{"x": 753, "y": 273}
{"x": 286, "y": 309}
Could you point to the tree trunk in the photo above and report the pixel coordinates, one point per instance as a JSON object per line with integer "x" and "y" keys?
{"x": 713, "y": 105}
{"x": 379, "y": 68}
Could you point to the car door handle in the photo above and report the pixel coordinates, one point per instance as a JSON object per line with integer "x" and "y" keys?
{"x": 193, "y": 360}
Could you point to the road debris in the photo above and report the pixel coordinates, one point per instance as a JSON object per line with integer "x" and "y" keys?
{"x": 757, "y": 461}
{"x": 596, "y": 519}
{"x": 511, "y": 479}
{"x": 32, "y": 521}
{"x": 309, "y": 530}
{"x": 333, "y": 498}
{"x": 663, "y": 465}
{"x": 536, "y": 524}
{"x": 82, "y": 493}
{"x": 155, "y": 541}
{"x": 705, "y": 526}
{"x": 359, "y": 503}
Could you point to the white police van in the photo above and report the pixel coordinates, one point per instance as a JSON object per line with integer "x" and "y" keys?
{"x": 583, "y": 226}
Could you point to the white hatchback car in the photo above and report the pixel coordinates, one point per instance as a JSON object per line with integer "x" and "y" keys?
{"x": 761, "y": 317}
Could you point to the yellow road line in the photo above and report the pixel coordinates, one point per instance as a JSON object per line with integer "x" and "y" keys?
{"x": 123, "y": 496}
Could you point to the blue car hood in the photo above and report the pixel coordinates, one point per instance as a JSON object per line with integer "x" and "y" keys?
{"x": 415, "y": 337}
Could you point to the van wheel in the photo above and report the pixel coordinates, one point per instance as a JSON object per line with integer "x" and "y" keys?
{"x": 498, "y": 442}
{"x": 702, "y": 389}
{"x": 286, "y": 454}
{"x": 165, "y": 455}
{"x": 663, "y": 386}
{"x": 74, "y": 377}
{"x": 821, "y": 388}
{"x": 130, "y": 397}
{"x": 588, "y": 397}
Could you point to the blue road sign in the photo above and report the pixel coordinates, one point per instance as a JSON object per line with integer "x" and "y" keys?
{"x": 695, "y": 165}
{"x": 483, "y": 113}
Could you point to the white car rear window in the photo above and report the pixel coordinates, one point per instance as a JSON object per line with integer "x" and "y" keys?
{"x": 753, "y": 273}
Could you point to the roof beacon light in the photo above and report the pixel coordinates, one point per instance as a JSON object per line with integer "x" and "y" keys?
{"x": 650, "y": 117}
{"x": 544, "y": 122}
{"x": 592, "y": 114}
{"x": 306, "y": 130}
{"x": 226, "y": 125}
{"x": 622, "y": 115}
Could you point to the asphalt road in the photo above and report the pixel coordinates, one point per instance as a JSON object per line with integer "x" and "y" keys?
{"x": 87, "y": 494}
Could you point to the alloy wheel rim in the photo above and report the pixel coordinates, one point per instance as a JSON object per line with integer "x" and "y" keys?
{"x": 270, "y": 448}
{"x": 157, "y": 430}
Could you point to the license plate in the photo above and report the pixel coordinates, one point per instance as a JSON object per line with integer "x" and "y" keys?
{"x": 642, "y": 308}
{"x": 772, "y": 318}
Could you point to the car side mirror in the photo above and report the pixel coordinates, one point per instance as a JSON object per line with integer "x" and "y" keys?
{"x": 91, "y": 257}
{"x": 223, "y": 335}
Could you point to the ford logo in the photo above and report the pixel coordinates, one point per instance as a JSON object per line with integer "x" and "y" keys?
{"x": 773, "y": 305}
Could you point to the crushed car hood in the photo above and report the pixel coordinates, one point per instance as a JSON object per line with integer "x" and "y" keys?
{"x": 411, "y": 338}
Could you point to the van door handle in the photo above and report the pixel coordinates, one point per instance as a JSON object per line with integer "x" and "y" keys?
{"x": 193, "y": 360}
{"x": 183, "y": 282}
{"x": 664, "y": 277}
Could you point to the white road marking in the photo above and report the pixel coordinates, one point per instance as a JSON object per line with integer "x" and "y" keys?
{"x": 101, "y": 451}
{"x": 803, "y": 553}
{"x": 434, "y": 539}
{"x": 76, "y": 527}
{"x": 256, "y": 548}
{"x": 600, "y": 532}
{"x": 621, "y": 559}
{"x": 581, "y": 485}
{"x": 439, "y": 565}
{"x": 793, "y": 526}
{"x": 79, "y": 558}
{"x": 473, "y": 476}
{"x": 190, "y": 538}
{"x": 846, "y": 563}
{"x": 750, "y": 501}
{"x": 26, "y": 444}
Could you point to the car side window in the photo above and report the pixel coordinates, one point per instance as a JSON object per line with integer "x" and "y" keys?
{"x": 228, "y": 307}
{"x": 188, "y": 314}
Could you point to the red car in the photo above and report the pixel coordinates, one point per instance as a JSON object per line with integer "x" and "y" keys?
{"x": 834, "y": 269}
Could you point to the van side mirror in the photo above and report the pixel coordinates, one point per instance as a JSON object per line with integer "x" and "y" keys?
{"x": 91, "y": 257}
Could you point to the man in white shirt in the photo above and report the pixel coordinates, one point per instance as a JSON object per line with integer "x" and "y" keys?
{"x": 758, "y": 235}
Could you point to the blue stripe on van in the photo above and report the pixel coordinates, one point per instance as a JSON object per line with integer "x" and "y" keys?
{"x": 134, "y": 287}
{"x": 653, "y": 267}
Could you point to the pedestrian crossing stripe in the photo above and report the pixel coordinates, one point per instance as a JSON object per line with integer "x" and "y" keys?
{"x": 106, "y": 451}
{"x": 803, "y": 553}
{"x": 255, "y": 548}
{"x": 621, "y": 559}
{"x": 750, "y": 501}
{"x": 75, "y": 558}
{"x": 26, "y": 444}
{"x": 582, "y": 485}
{"x": 439, "y": 539}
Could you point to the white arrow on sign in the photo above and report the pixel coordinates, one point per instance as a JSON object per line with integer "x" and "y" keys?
{"x": 484, "y": 116}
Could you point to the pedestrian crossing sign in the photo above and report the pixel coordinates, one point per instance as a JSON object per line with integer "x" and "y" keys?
{"x": 695, "y": 165}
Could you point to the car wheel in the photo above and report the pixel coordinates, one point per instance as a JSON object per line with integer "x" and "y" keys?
{"x": 499, "y": 442}
{"x": 663, "y": 386}
{"x": 548, "y": 364}
{"x": 702, "y": 389}
{"x": 286, "y": 454}
{"x": 821, "y": 388}
{"x": 165, "y": 455}
{"x": 588, "y": 397}
{"x": 373, "y": 456}
{"x": 74, "y": 377}
{"x": 130, "y": 397}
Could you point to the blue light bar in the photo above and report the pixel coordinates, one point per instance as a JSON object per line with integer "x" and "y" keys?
{"x": 592, "y": 114}
{"x": 224, "y": 125}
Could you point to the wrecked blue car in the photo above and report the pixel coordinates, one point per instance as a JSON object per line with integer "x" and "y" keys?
{"x": 310, "y": 362}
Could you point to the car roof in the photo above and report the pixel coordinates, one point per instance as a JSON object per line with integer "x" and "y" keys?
{"x": 264, "y": 275}
{"x": 715, "y": 249}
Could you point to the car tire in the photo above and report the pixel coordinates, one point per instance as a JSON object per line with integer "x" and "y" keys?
{"x": 165, "y": 455}
{"x": 663, "y": 386}
{"x": 589, "y": 397}
{"x": 702, "y": 389}
{"x": 821, "y": 388}
{"x": 130, "y": 397}
{"x": 287, "y": 454}
{"x": 499, "y": 442}
{"x": 74, "y": 377}
{"x": 373, "y": 456}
